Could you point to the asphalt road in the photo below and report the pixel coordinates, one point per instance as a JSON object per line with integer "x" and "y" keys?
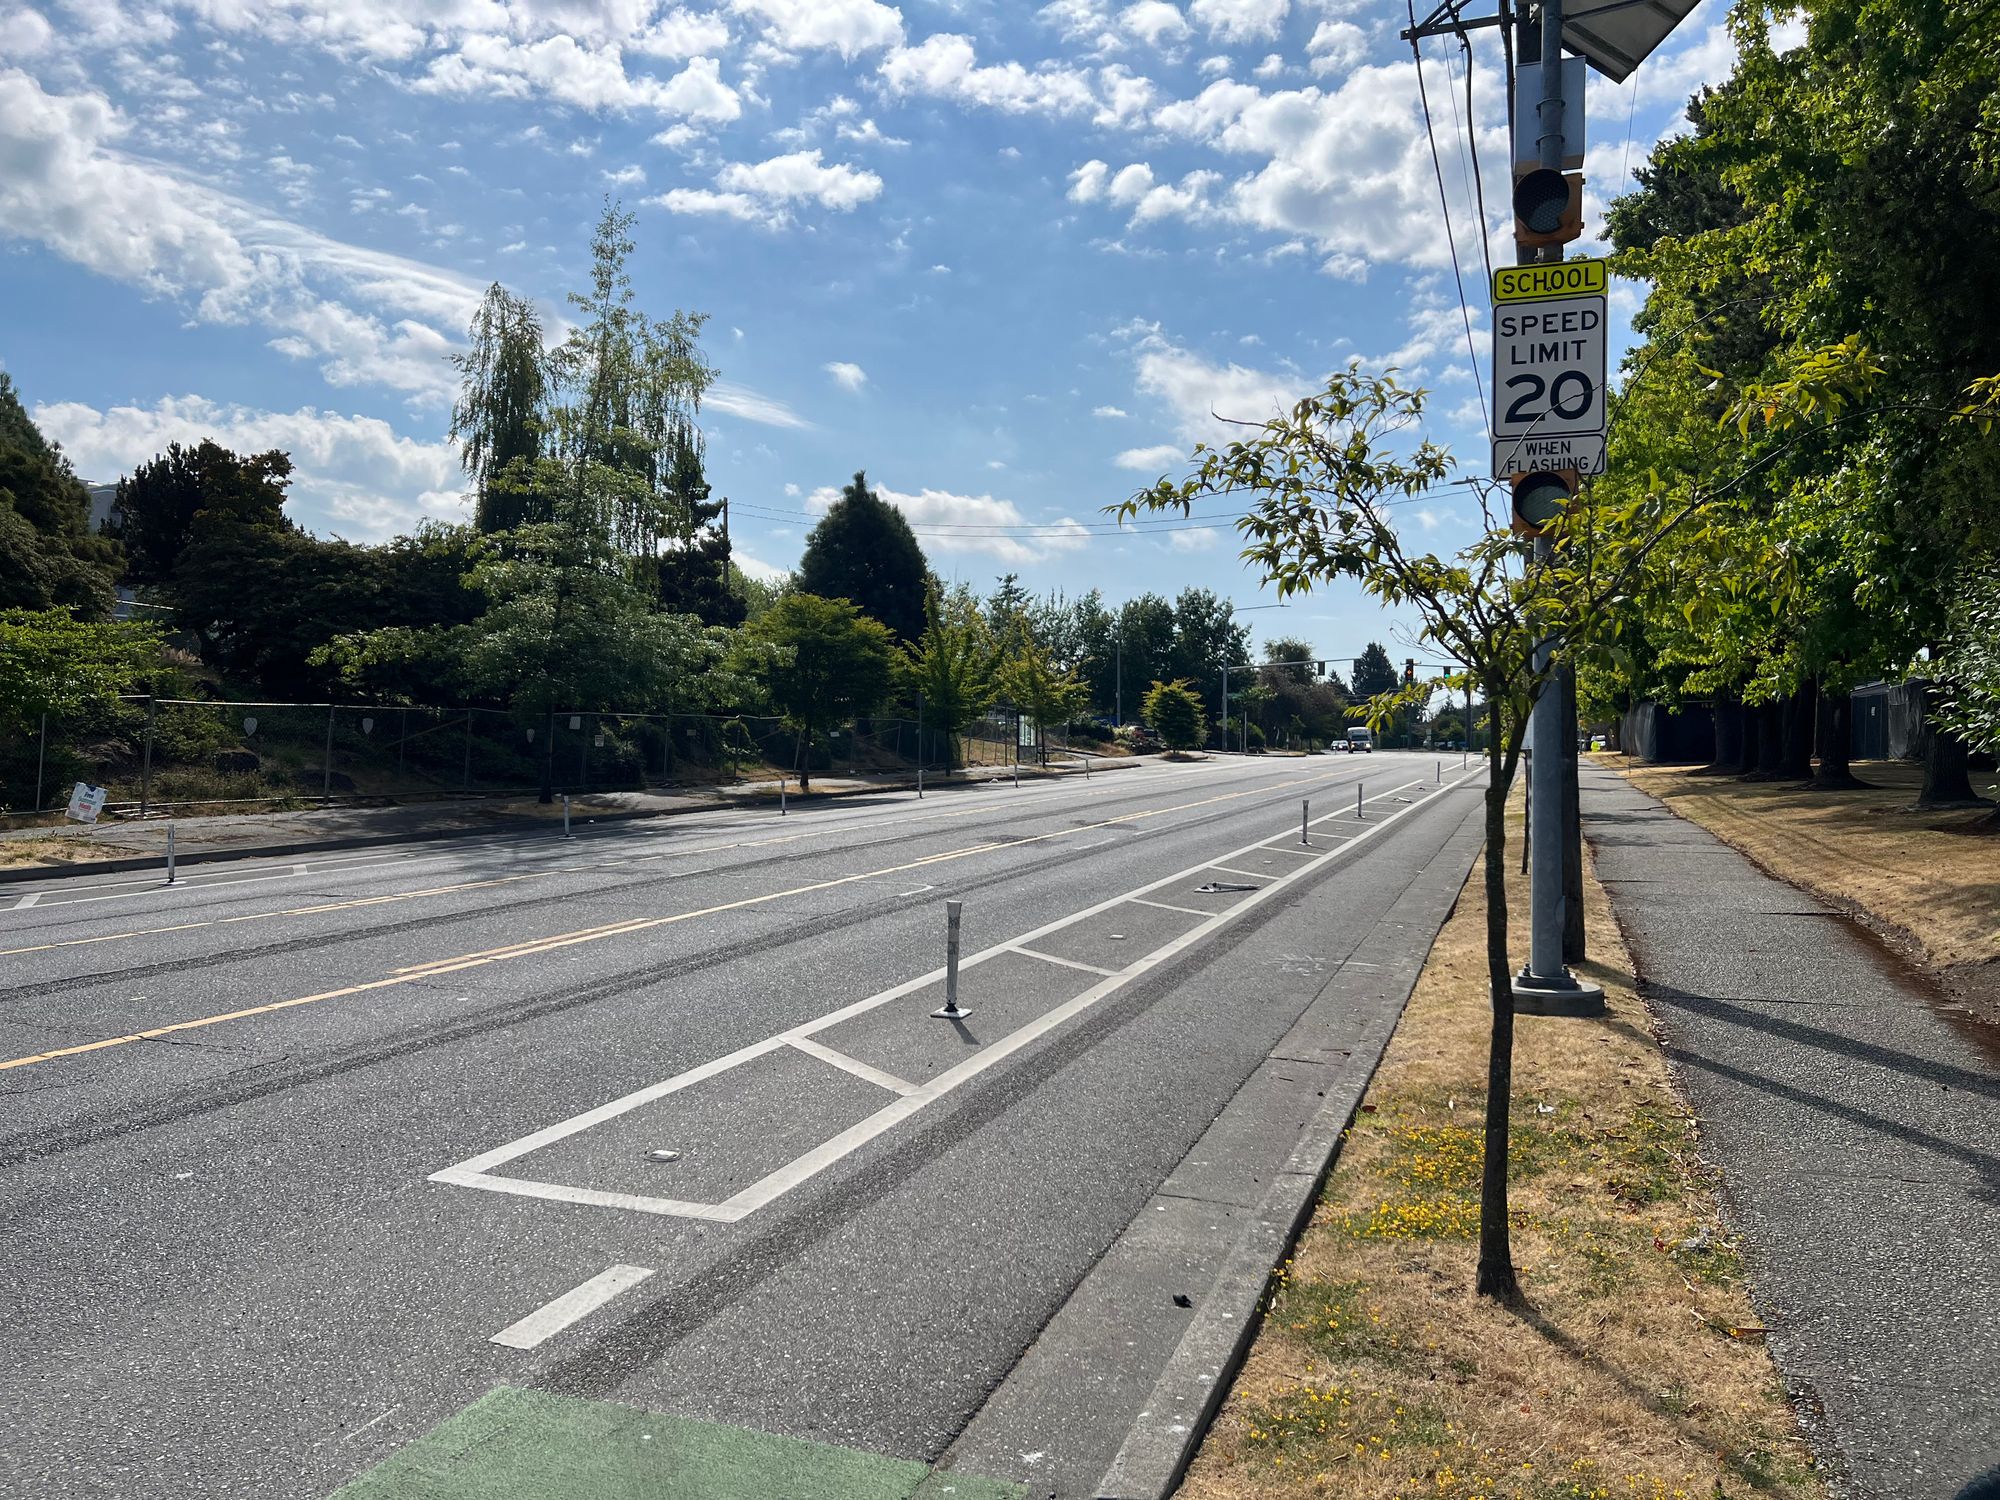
{"x": 299, "y": 1160}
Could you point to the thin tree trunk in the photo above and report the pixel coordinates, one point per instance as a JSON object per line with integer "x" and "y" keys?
{"x": 1798, "y": 727}
{"x": 1833, "y": 731}
{"x": 1495, "y": 1276}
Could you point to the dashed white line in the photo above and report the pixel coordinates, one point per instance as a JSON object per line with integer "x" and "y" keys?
{"x": 1192, "y": 911}
{"x": 579, "y": 1302}
{"x": 27, "y": 901}
{"x": 1067, "y": 963}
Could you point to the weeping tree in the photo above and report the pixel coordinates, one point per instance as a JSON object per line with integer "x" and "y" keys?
{"x": 501, "y": 416}
{"x": 1322, "y": 485}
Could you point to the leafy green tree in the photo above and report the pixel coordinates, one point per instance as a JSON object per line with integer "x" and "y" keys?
{"x": 53, "y": 662}
{"x": 48, "y": 556}
{"x": 1207, "y": 638}
{"x": 1028, "y": 677}
{"x": 1290, "y": 649}
{"x": 1173, "y": 709}
{"x": 1009, "y": 600}
{"x": 1374, "y": 673}
{"x": 950, "y": 667}
{"x": 823, "y": 662}
{"x": 1969, "y": 666}
{"x": 501, "y": 416}
{"x": 755, "y": 595}
{"x": 1146, "y": 632}
{"x": 863, "y": 550}
{"x": 188, "y": 495}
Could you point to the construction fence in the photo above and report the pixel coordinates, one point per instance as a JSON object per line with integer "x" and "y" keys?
{"x": 157, "y": 754}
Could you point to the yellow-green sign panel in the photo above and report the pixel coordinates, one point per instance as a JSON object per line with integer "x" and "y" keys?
{"x": 1562, "y": 278}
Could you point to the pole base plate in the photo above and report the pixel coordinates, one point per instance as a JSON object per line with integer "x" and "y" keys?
{"x": 950, "y": 1013}
{"x": 1561, "y": 995}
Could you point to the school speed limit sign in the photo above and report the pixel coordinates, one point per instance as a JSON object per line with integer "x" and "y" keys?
{"x": 1548, "y": 367}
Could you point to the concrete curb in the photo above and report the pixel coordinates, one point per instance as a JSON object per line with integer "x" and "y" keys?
{"x": 1165, "y": 1436}
{"x": 513, "y": 825}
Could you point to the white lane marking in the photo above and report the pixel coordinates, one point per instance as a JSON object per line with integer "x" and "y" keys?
{"x": 579, "y": 1302}
{"x": 27, "y": 901}
{"x": 477, "y": 1173}
{"x": 1253, "y": 874}
{"x": 1193, "y": 911}
{"x": 1067, "y": 963}
{"x": 917, "y": 891}
{"x": 853, "y": 1065}
{"x": 1303, "y": 851}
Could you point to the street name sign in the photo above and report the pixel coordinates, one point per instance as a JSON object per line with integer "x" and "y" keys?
{"x": 1548, "y": 367}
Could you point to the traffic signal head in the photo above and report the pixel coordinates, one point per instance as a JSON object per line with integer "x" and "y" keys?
{"x": 1409, "y": 670}
{"x": 1539, "y": 497}
{"x": 1548, "y": 207}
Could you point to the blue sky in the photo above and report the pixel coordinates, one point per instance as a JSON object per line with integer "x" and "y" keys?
{"x": 1010, "y": 258}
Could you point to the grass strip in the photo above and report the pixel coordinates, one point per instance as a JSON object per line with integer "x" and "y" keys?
{"x": 1638, "y": 1366}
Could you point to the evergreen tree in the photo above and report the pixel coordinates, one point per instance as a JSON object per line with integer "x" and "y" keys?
{"x": 48, "y": 556}
{"x": 693, "y": 564}
{"x": 1374, "y": 673}
{"x": 863, "y": 551}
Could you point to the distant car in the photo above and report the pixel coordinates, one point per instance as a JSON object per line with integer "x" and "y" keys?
{"x": 1139, "y": 737}
{"x": 1361, "y": 741}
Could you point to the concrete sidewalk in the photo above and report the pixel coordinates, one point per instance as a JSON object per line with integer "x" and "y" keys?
{"x": 114, "y": 845}
{"x": 1856, "y": 1121}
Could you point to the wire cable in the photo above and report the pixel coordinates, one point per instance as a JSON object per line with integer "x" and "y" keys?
{"x": 1451, "y": 239}
{"x": 1478, "y": 180}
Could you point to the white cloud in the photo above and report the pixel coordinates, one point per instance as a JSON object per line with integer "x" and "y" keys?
{"x": 1209, "y": 400}
{"x": 765, "y": 192}
{"x": 763, "y": 572}
{"x": 681, "y": 33}
{"x": 946, "y": 66}
{"x": 1241, "y": 20}
{"x": 632, "y": 176}
{"x": 1086, "y": 183}
{"x": 939, "y": 515}
{"x": 849, "y": 27}
{"x": 1154, "y": 22}
{"x": 846, "y": 375}
{"x": 1337, "y": 46}
{"x": 592, "y": 78}
{"x": 752, "y": 406}
{"x": 1202, "y": 539}
{"x": 1108, "y": 411}
{"x": 369, "y": 317}
{"x": 1153, "y": 460}
{"x": 24, "y": 33}
{"x": 352, "y": 475}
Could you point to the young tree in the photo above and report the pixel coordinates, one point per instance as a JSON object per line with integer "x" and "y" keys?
{"x": 863, "y": 550}
{"x": 1291, "y": 649}
{"x": 1028, "y": 677}
{"x": 52, "y": 662}
{"x": 824, "y": 663}
{"x": 950, "y": 668}
{"x": 1174, "y": 711}
{"x": 1207, "y": 638}
{"x": 1320, "y": 482}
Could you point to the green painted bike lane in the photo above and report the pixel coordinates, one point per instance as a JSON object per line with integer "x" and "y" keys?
{"x": 514, "y": 1444}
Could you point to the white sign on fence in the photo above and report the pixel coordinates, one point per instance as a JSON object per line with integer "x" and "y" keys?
{"x": 85, "y": 803}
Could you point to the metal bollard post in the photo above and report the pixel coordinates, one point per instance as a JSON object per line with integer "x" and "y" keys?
{"x": 566, "y": 833}
{"x": 782, "y": 812}
{"x": 1305, "y": 819}
{"x": 920, "y": 783}
{"x": 170, "y": 854}
{"x": 1440, "y": 773}
{"x": 950, "y": 1011}
{"x": 1357, "y": 802}
{"x": 1017, "y": 772}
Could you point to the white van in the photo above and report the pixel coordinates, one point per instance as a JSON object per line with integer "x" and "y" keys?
{"x": 1361, "y": 740}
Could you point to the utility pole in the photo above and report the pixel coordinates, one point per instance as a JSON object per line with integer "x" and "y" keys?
{"x": 1118, "y": 680}
{"x": 1546, "y": 983}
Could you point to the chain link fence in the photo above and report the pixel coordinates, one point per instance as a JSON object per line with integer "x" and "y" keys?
{"x": 158, "y": 754}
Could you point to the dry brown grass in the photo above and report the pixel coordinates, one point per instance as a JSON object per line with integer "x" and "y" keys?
{"x": 1636, "y": 1370}
{"x": 49, "y": 851}
{"x": 1926, "y": 876}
